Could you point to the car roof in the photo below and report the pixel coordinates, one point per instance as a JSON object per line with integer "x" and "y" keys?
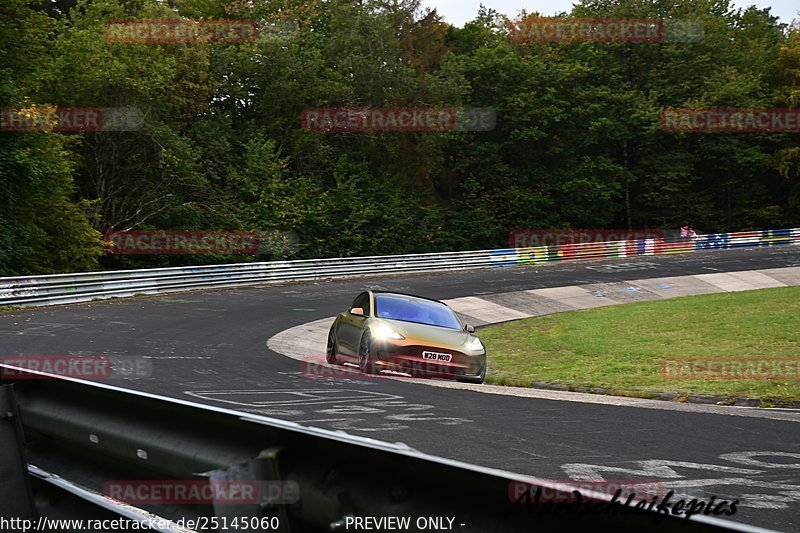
{"x": 391, "y": 293}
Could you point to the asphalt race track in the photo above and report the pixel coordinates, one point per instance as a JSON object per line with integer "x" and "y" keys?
{"x": 210, "y": 347}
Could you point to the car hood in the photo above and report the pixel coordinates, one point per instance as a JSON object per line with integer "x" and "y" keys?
{"x": 426, "y": 334}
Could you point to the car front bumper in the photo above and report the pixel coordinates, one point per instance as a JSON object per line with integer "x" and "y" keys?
{"x": 409, "y": 358}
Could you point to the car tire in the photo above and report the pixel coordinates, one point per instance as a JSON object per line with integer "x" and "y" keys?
{"x": 330, "y": 352}
{"x": 364, "y": 356}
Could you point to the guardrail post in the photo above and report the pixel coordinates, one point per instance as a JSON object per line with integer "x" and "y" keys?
{"x": 16, "y": 497}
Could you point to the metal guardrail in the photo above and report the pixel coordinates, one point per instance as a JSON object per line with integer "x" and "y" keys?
{"x": 81, "y": 287}
{"x": 84, "y": 437}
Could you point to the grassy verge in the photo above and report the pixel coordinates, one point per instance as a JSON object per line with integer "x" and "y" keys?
{"x": 624, "y": 347}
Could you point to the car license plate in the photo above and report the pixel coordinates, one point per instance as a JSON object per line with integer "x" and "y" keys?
{"x": 440, "y": 357}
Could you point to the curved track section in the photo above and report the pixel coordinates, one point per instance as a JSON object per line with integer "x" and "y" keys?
{"x": 210, "y": 346}
{"x": 307, "y": 342}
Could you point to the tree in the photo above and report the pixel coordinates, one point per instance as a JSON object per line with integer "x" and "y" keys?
{"x": 42, "y": 228}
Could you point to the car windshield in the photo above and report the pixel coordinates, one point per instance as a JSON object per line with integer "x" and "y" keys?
{"x": 409, "y": 309}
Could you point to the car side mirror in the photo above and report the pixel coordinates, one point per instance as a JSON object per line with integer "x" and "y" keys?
{"x": 469, "y": 329}
{"x": 358, "y": 311}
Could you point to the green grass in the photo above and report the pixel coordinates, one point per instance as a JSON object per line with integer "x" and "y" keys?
{"x": 622, "y": 347}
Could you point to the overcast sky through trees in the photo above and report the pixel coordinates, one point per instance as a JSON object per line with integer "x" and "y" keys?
{"x": 460, "y": 11}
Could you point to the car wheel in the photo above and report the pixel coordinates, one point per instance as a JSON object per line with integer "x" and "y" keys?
{"x": 364, "y": 357}
{"x": 330, "y": 353}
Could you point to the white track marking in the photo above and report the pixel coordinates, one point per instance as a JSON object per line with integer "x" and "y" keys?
{"x": 747, "y": 458}
{"x": 652, "y": 468}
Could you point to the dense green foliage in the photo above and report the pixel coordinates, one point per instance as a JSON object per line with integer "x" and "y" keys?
{"x": 577, "y": 142}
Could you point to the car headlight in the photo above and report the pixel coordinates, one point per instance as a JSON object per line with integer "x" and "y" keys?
{"x": 475, "y": 344}
{"x": 383, "y": 331}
